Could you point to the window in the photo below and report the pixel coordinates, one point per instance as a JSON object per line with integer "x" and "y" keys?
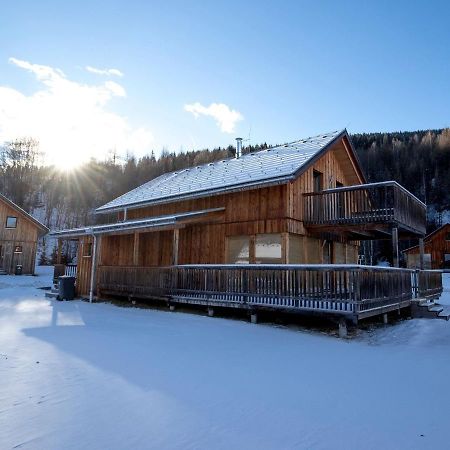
{"x": 11, "y": 222}
{"x": 87, "y": 249}
{"x": 317, "y": 181}
{"x": 413, "y": 261}
{"x": 447, "y": 237}
{"x": 447, "y": 261}
{"x": 238, "y": 250}
{"x": 268, "y": 249}
{"x": 18, "y": 249}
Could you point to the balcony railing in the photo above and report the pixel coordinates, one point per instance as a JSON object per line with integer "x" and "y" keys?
{"x": 351, "y": 290}
{"x": 377, "y": 203}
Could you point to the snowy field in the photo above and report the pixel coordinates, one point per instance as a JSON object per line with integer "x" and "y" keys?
{"x": 81, "y": 376}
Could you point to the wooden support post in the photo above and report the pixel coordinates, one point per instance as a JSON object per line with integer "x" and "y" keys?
{"x": 343, "y": 332}
{"x": 175, "y": 245}
{"x": 252, "y": 249}
{"x": 93, "y": 268}
{"x": 33, "y": 259}
{"x": 210, "y": 312}
{"x": 395, "y": 257}
{"x": 422, "y": 252}
{"x": 58, "y": 254}
{"x": 172, "y": 307}
{"x": 385, "y": 319}
{"x": 136, "y": 249}
{"x": 253, "y": 318}
{"x": 285, "y": 248}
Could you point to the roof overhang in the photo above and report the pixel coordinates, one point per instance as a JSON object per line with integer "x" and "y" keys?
{"x": 150, "y": 224}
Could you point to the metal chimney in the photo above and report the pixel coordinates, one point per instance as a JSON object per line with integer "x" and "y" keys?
{"x": 238, "y": 147}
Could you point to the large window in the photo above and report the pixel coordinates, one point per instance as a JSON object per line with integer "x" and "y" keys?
{"x": 447, "y": 237}
{"x": 238, "y": 250}
{"x": 413, "y": 260}
{"x": 259, "y": 249}
{"x": 11, "y": 222}
{"x": 268, "y": 249}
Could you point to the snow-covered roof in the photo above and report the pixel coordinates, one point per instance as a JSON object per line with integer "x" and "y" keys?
{"x": 274, "y": 165}
{"x": 153, "y": 222}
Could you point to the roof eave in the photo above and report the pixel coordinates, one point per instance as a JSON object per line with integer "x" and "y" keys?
{"x": 227, "y": 190}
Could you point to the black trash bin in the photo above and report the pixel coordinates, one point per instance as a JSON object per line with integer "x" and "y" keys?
{"x": 66, "y": 287}
{"x": 18, "y": 269}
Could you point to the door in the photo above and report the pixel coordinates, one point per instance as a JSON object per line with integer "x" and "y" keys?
{"x": 318, "y": 213}
{"x": 340, "y": 203}
{"x": 327, "y": 252}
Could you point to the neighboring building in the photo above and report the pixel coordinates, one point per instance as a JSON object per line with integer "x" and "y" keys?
{"x": 436, "y": 250}
{"x": 19, "y": 233}
{"x": 302, "y": 203}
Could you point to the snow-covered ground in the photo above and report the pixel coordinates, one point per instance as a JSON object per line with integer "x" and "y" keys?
{"x": 80, "y": 376}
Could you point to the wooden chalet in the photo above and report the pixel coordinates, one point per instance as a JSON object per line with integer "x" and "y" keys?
{"x": 19, "y": 233}
{"x": 276, "y": 228}
{"x": 436, "y": 251}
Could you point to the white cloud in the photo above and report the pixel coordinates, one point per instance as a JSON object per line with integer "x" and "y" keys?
{"x": 225, "y": 117}
{"x": 71, "y": 120}
{"x": 107, "y": 72}
{"x": 116, "y": 89}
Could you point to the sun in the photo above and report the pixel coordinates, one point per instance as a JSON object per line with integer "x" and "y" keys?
{"x": 66, "y": 161}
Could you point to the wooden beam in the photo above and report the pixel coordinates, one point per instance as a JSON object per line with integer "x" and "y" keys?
{"x": 175, "y": 245}
{"x": 93, "y": 269}
{"x": 285, "y": 248}
{"x": 395, "y": 258}
{"x": 58, "y": 254}
{"x": 136, "y": 249}
{"x": 422, "y": 251}
{"x": 252, "y": 249}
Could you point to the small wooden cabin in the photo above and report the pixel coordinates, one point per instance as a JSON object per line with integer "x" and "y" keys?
{"x": 306, "y": 202}
{"x": 436, "y": 251}
{"x": 19, "y": 233}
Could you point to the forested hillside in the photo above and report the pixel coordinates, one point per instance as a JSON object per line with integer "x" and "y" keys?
{"x": 419, "y": 160}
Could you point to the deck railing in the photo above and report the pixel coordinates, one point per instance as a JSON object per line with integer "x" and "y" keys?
{"x": 343, "y": 289}
{"x": 427, "y": 283}
{"x": 64, "y": 269}
{"x": 385, "y": 202}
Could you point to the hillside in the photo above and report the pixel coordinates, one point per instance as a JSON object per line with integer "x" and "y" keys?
{"x": 418, "y": 160}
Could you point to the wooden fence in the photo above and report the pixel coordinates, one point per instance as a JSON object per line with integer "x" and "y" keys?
{"x": 385, "y": 203}
{"x": 343, "y": 289}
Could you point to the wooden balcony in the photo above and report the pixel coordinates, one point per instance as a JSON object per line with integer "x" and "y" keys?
{"x": 346, "y": 290}
{"x": 367, "y": 211}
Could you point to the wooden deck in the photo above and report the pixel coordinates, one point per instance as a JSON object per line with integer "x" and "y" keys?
{"x": 368, "y": 210}
{"x": 346, "y": 290}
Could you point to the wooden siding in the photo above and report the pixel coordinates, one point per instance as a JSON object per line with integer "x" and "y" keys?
{"x": 334, "y": 168}
{"x": 84, "y": 267}
{"x": 436, "y": 245}
{"x": 25, "y": 235}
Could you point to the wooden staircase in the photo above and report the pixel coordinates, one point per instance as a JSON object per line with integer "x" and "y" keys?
{"x": 54, "y": 293}
{"x": 429, "y": 309}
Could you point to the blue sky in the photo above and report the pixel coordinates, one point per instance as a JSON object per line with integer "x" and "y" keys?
{"x": 282, "y": 70}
